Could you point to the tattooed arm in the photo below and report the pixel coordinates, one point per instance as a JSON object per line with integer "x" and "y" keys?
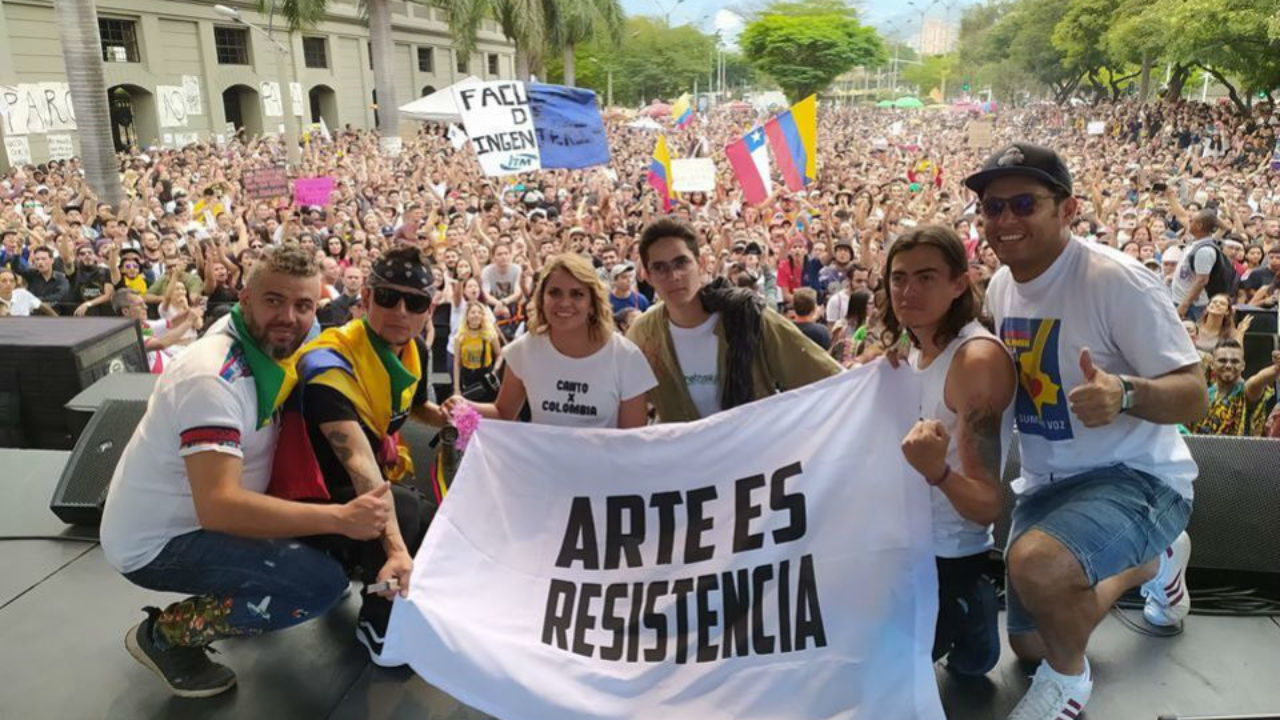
{"x": 348, "y": 441}
{"x": 980, "y": 385}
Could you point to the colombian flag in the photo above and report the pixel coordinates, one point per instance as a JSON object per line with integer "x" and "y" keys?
{"x": 660, "y": 172}
{"x": 793, "y": 137}
{"x": 682, "y": 111}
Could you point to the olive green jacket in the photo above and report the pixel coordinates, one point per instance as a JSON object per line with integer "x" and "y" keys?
{"x": 785, "y": 360}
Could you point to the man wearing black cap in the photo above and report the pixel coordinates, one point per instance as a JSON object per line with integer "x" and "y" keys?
{"x": 1105, "y": 373}
{"x": 361, "y": 382}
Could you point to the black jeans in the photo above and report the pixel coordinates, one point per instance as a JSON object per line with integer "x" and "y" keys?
{"x": 967, "y": 633}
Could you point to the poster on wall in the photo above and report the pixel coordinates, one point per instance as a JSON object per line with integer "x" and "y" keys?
{"x": 191, "y": 93}
{"x": 272, "y": 103}
{"x": 60, "y": 147}
{"x": 172, "y": 101}
{"x": 295, "y": 94}
{"x": 35, "y": 108}
{"x": 18, "y": 150}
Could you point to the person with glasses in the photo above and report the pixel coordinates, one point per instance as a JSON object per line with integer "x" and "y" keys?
{"x": 91, "y": 287}
{"x": 710, "y": 346}
{"x": 1237, "y": 406}
{"x": 572, "y": 367}
{"x": 1105, "y": 372}
{"x": 360, "y": 383}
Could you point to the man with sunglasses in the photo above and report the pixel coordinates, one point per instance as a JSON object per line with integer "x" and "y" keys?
{"x": 91, "y": 288}
{"x": 1105, "y": 373}
{"x": 1237, "y": 406}
{"x": 361, "y": 382}
{"x": 713, "y": 347}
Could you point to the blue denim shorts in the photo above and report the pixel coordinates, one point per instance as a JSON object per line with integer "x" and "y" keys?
{"x": 1111, "y": 519}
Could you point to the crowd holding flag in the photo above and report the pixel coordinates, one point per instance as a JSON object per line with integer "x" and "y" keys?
{"x": 682, "y": 111}
{"x": 793, "y": 139}
{"x": 749, "y": 157}
{"x": 660, "y": 173}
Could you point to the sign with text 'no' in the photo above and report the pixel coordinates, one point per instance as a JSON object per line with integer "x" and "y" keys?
{"x": 500, "y": 124}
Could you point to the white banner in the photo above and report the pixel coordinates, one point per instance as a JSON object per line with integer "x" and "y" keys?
{"x": 172, "y": 100}
{"x": 772, "y": 561}
{"x": 500, "y": 125}
{"x": 60, "y": 147}
{"x": 272, "y": 102}
{"x": 191, "y": 94}
{"x": 182, "y": 140}
{"x": 295, "y": 94}
{"x": 37, "y": 108}
{"x": 1096, "y": 127}
{"x": 693, "y": 174}
{"x": 457, "y": 136}
{"x": 17, "y": 150}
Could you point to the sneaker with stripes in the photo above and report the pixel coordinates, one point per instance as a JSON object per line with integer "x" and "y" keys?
{"x": 1054, "y": 696}
{"x": 1167, "y": 598}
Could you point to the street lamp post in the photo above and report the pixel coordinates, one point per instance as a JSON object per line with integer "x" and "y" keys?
{"x": 291, "y": 131}
{"x": 608, "y": 69}
{"x": 666, "y": 11}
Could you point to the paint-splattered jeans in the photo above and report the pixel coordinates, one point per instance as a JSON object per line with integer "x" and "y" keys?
{"x": 240, "y": 586}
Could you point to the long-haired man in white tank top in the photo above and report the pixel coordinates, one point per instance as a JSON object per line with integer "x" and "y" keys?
{"x": 957, "y": 446}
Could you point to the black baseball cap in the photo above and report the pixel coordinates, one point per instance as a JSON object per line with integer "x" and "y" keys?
{"x": 1027, "y": 160}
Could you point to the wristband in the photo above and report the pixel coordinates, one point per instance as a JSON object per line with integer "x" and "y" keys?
{"x": 1127, "y": 396}
{"x": 946, "y": 472}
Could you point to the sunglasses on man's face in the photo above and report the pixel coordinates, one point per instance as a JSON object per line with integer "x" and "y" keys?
{"x": 1022, "y": 205}
{"x": 390, "y": 297}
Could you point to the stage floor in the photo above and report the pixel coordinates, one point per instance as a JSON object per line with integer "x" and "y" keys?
{"x": 64, "y": 612}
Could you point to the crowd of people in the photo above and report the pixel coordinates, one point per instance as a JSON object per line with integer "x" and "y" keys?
{"x": 569, "y": 298}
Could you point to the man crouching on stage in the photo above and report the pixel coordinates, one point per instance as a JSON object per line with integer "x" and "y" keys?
{"x": 187, "y": 511}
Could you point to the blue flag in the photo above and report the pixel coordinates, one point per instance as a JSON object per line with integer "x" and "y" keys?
{"x": 568, "y": 124}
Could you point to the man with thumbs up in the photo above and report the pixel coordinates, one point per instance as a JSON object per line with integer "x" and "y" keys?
{"x": 1105, "y": 372}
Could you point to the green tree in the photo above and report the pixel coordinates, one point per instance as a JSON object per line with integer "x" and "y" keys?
{"x": 523, "y": 22}
{"x": 934, "y": 71}
{"x": 652, "y": 61}
{"x": 82, "y": 53}
{"x": 804, "y": 46}
{"x": 573, "y": 22}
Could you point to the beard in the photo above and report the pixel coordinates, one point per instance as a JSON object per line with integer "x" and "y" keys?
{"x": 277, "y": 351}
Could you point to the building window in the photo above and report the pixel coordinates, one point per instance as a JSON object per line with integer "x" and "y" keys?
{"x": 426, "y": 60}
{"x": 315, "y": 51}
{"x": 462, "y": 64}
{"x": 493, "y": 64}
{"x": 119, "y": 40}
{"x": 232, "y": 45}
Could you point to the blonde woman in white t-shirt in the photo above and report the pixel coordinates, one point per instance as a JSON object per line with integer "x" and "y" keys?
{"x": 571, "y": 366}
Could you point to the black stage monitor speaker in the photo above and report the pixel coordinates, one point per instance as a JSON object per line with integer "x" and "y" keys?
{"x": 82, "y": 489}
{"x": 56, "y": 358}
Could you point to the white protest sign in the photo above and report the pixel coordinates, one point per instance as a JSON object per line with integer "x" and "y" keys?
{"x": 166, "y": 139}
{"x": 295, "y": 94}
{"x": 272, "y": 103}
{"x": 693, "y": 175}
{"x": 37, "y": 108}
{"x": 60, "y": 147}
{"x": 220, "y": 139}
{"x": 500, "y": 125}
{"x": 1096, "y": 127}
{"x": 184, "y": 139}
{"x": 191, "y": 93}
{"x": 457, "y": 137}
{"x": 771, "y": 561}
{"x": 18, "y": 150}
{"x": 981, "y": 132}
{"x": 172, "y": 101}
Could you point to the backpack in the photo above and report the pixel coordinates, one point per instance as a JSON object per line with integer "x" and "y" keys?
{"x": 1222, "y": 278}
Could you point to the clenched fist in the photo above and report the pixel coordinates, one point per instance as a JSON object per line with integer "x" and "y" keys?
{"x": 925, "y": 447}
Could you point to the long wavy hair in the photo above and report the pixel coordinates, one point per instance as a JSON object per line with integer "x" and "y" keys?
{"x": 600, "y": 319}
{"x": 963, "y": 309}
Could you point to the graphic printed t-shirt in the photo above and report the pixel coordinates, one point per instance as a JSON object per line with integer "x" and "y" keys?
{"x": 1198, "y": 263}
{"x": 206, "y": 401}
{"x": 1095, "y": 297}
{"x": 579, "y": 392}
{"x": 697, "y": 352}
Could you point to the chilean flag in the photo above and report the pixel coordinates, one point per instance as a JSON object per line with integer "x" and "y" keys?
{"x": 749, "y": 157}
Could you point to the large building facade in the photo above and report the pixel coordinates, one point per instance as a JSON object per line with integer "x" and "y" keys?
{"x": 178, "y": 72}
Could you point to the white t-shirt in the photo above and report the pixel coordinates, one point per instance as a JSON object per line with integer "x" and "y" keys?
{"x": 498, "y": 284}
{"x": 22, "y": 303}
{"x": 954, "y": 536}
{"x": 1185, "y": 277}
{"x": 579, "y": 392}
{"x": 204, "y": 402}
{"x": 1096, "y": 297}
{"x": 697, "y": 353}
{"x": 838, "y": 306}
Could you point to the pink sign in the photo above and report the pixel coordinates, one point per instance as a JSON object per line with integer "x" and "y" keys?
{"x": 312, "y": 191}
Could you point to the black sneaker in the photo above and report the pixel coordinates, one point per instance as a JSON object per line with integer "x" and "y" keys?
{"x": 187, "y": 671}
{"x": 371, "y": 629}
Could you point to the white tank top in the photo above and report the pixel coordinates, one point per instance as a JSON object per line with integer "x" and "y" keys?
{"x": 953, "y": 535}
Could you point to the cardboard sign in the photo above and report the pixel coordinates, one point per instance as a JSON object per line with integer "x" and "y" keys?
{"x": 981, "y": 132}
{"x": 191, "y": 93}
{"x": 18, "y": 150}
{"x": 265, "y": 182}
{"x": 1096, "y": 127}
{"x": 272, "y": 102}
{"x": 37, "y": 108}
{"x": 172, "y": 101}
{"x": 312, "y": 191}
{"x": 60, "y": 147}
{"x": 500, "y": 124}
{"x": 693, "y": 175}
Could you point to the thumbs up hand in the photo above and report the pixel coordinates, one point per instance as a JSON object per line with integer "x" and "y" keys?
{"x": 1098, "y": 400}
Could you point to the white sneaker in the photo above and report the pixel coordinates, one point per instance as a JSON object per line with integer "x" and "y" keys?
{"x": 1168, "y": 599}
{"x": 1054, "y": 696}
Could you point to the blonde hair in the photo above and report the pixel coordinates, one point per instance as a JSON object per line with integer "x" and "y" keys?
{"x": 600, "y": 321}
{"x": 488, "y": 331}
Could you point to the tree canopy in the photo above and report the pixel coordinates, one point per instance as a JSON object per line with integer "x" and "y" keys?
{"x": 804, "y": 46}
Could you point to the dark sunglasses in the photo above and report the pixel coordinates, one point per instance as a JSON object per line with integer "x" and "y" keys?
{"x": 1022, "y": 205}
{"x": 390, "y": 297}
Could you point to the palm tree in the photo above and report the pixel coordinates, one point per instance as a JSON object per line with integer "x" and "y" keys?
{"x": 82, "y": 53}
{"x": 573, "y": 22}
{"x": 522, "y": 21}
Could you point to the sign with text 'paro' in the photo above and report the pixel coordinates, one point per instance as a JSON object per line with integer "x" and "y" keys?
{"x": 500, "y": 124}
{"x": 36, "y": 108}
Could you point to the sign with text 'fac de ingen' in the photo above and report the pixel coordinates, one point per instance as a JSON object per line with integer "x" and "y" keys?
{"x": 500, "y": 124}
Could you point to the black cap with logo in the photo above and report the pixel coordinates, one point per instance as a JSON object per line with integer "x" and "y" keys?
{"x": 1027, "y": 160}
